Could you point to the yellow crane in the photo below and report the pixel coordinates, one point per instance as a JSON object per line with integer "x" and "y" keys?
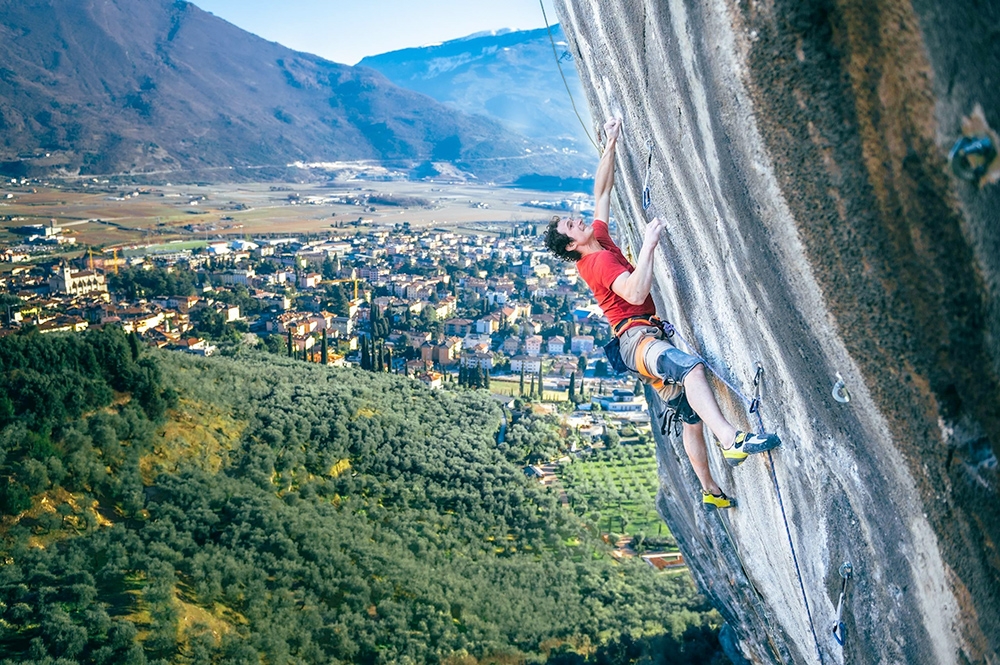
{"x": 347, "y": 279}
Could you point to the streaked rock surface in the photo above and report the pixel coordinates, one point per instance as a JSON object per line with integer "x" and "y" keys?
{"x": 800, "y": 161}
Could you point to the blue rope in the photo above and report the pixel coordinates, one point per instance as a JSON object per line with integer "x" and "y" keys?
{"x": 669, "y": 330}
{"x": 795, "y": 560}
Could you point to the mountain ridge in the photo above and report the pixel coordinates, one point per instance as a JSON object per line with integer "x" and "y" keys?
{"x": 124, "y": 86}
{"x": 512, "y": 76}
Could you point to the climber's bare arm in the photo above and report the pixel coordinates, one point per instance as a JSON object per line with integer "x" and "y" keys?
{"x": 604, "y": 180}
{"x": 634, "y": 286}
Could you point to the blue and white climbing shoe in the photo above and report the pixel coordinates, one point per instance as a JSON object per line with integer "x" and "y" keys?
{"x": 718, "y": 501}
{"x": 748, "y": 444}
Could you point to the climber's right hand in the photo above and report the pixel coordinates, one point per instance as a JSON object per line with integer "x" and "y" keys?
{"x": 612, "y": 127}
{"x": 653, "y": 230}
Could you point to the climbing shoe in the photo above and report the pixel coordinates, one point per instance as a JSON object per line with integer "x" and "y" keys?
{"x": 748, "y": 444}
{"x": 716, "y": 501}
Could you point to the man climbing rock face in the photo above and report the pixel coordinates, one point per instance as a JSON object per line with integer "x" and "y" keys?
{"x": 622, "y": 291}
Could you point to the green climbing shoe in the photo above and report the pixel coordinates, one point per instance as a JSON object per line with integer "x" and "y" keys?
{"x": 748, "y": 444}
{"x": 716, "y": 501}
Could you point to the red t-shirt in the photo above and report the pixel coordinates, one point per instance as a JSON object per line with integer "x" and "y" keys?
{"x": 600, "y": 269}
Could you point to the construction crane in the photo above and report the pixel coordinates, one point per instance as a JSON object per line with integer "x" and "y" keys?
{"x": 114, "y": 261}
{"x": 353, "y": 278}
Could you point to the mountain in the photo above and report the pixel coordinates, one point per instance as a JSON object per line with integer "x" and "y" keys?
{"x": 158, "y": 86}
{"x": 511, "y": 76}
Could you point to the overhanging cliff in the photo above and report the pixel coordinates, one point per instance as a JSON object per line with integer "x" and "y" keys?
{"x": 800, "y": 160}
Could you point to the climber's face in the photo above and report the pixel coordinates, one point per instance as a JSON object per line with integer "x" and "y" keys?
{"x": 577, "y": 230}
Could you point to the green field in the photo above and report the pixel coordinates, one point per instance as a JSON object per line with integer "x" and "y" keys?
{"x": 167, "y": 247}
{"x": 513, "y": 388}
{"x": 616, "y": 489}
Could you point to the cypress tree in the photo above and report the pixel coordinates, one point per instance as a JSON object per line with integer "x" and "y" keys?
{"x": 541, "y": 392}
{"x": 289, "y": 343}
{"x": 323, "y": 348}
{"x": 486, "y": 379}
{"x": 531, "y": 390}
{"x": 133, "y": 345}
{"x": 521, "y": 387}
{"x": 572, "y": 387}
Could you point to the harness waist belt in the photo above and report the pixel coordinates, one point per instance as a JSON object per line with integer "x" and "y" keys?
{"x": 625, "y": 324}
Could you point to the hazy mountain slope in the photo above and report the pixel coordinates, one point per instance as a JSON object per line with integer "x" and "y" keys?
{"x": 509, "y": 76}
{"x": 129, "y": 85}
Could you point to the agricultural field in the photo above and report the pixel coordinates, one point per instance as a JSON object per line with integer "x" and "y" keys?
{"x": 616, "y": 489}
{"x": 104, "y": 215}
{"x": 513, "y": 389}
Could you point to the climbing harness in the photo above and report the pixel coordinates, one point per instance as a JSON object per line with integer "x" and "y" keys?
{"x": 569, "y": 92}
{"x": 838, "y": 628}
{"x": 647, "y": 197}
{"x": 840, "y": 390}
{"x": 971, "y": 157}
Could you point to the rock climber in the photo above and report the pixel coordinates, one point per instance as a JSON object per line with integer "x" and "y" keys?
{"x": 622, "y": 291}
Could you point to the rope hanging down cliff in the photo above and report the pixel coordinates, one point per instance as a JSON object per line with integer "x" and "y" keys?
{"x": 754, "y": 405}
{"x": 555, "y": 53}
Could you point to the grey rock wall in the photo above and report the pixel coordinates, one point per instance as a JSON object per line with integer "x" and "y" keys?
{"x": 800, "y": 161}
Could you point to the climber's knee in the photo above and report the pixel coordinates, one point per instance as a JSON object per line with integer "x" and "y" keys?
{"x": 675, "y": 366}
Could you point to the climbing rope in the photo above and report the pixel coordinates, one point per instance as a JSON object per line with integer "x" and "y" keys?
{"x": 795, "y": 559}
{"x": 754, "y": 404}
{"x": 569, "y": 92}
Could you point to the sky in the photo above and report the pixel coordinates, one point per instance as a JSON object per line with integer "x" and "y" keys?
{"x": 347, "y": 30}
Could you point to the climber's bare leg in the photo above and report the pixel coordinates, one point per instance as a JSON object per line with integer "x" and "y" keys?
{"x": 697, "y": 452}
{"x": 702, "y": 401}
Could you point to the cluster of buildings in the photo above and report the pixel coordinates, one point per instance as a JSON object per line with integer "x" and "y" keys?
{"x": 445, "y": 300}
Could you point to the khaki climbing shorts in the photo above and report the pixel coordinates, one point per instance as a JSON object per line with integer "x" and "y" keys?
{"x": 646, "y": 351}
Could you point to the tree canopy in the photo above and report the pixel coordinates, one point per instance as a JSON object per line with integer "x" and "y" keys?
{"x": 177, "y": 509}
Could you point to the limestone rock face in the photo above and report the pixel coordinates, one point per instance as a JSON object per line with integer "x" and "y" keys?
{"x": 800, "y": 160}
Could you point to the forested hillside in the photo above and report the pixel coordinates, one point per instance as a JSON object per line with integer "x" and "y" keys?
{"x": 164, "y": 508}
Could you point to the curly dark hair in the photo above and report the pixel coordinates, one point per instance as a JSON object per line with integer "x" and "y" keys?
{"x": 556, "y": 242}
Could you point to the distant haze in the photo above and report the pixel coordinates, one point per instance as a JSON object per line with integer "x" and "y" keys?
{"x": 348, "y": 31}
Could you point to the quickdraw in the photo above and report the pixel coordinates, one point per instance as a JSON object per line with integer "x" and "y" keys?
{"x": 758, "y": 375}
{"x": 839, "y": 629}
{"x": 647, "y": 196}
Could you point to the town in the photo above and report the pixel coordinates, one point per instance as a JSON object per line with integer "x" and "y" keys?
{"x": 478, "y": 305}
